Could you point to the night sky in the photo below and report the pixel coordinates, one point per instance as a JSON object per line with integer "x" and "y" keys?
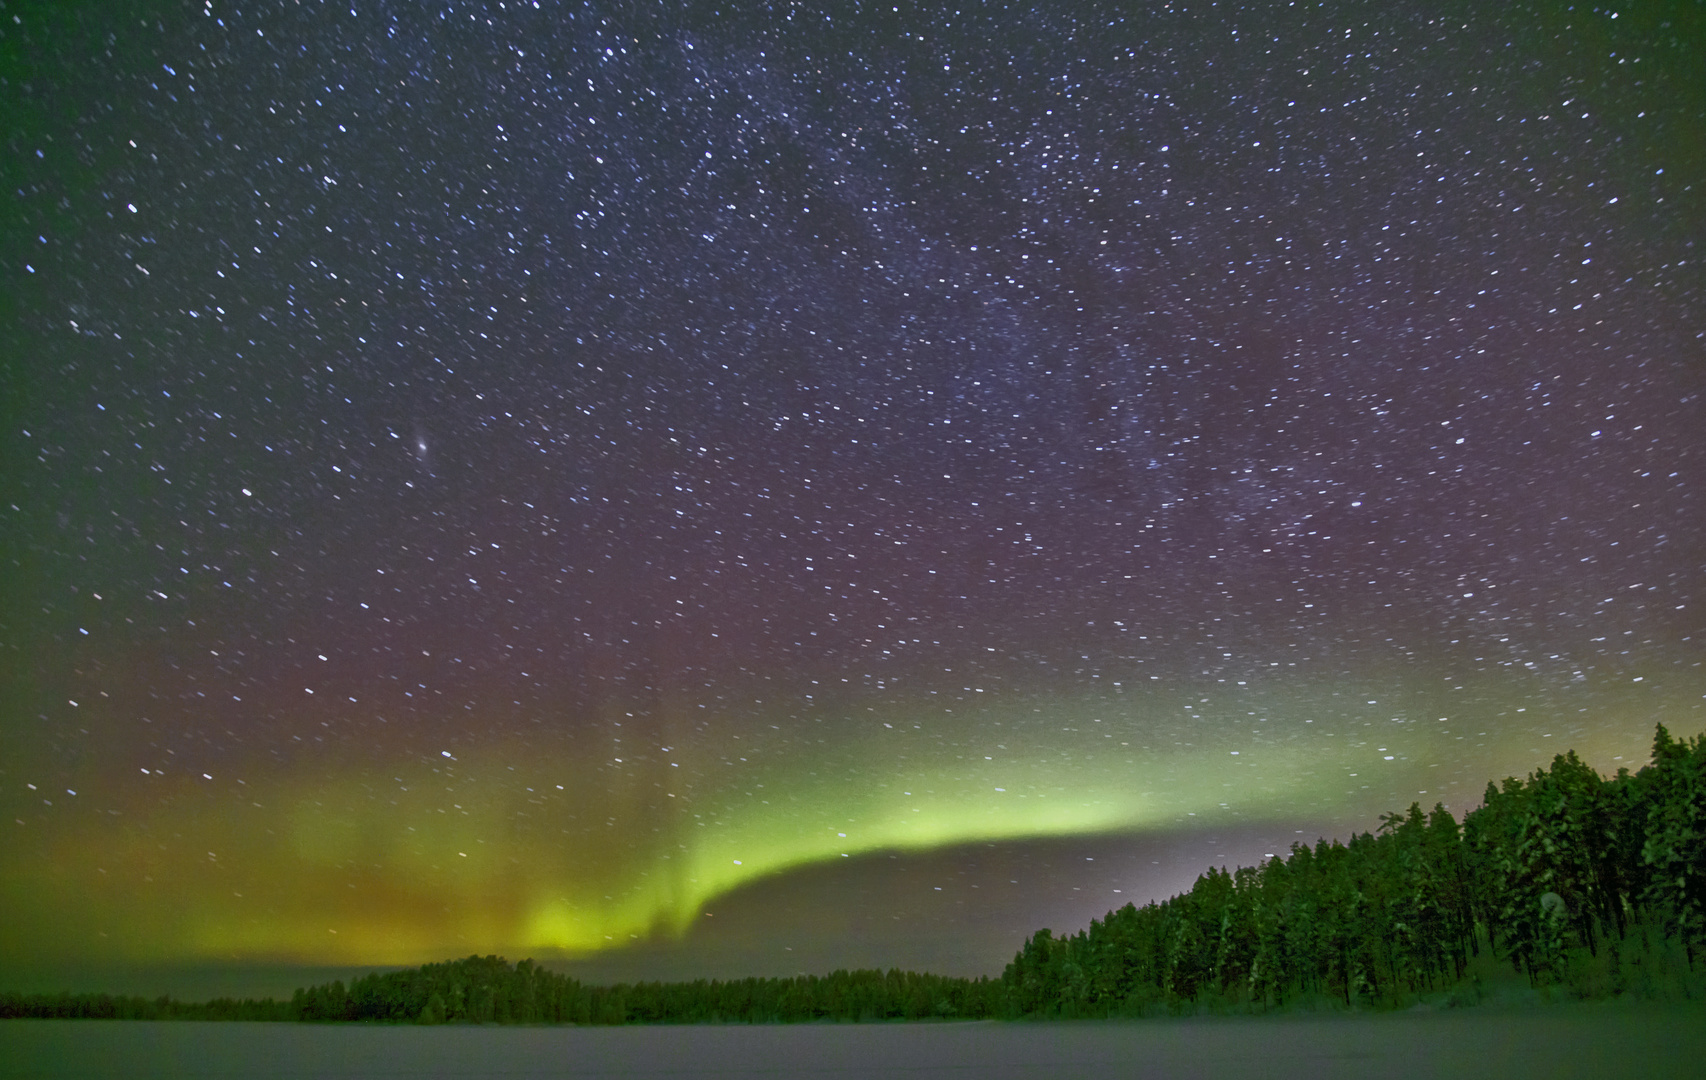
{"x": 538, "y": 479}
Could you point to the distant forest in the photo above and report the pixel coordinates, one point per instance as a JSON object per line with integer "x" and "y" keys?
{"x": 1580, "y": 882}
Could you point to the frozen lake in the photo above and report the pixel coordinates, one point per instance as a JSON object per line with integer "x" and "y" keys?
{"x": 1563, "y": 1041}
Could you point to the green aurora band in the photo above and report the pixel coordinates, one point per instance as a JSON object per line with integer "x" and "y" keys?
{"x": 553, "y": 850}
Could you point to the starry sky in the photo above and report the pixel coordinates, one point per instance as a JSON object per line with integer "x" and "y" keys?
{"x": 538, "y": 479}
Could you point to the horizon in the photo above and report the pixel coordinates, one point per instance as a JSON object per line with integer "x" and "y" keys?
{"x": 744, "y": 946}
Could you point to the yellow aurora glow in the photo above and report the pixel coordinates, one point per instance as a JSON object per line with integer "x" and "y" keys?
{"x": 512, "y": 848}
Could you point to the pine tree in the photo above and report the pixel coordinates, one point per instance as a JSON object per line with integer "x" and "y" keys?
{"x": 1675, "y": 848}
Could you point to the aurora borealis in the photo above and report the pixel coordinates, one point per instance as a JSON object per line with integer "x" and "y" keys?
{"x": 508, "y": 477}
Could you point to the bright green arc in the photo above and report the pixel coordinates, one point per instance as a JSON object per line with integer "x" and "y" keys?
{"x": 515, "y": 850}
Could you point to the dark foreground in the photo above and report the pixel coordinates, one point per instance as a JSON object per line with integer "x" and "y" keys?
{"x": 1560, "y": 1041}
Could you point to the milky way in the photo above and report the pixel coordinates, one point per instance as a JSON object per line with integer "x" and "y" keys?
{"x": 496, "y": 478}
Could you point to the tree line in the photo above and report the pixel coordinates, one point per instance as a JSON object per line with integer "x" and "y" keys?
{"x": 1549, "y": 873}
{"x": 67, "y": 1006}
{"x": 488, "y": 990}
